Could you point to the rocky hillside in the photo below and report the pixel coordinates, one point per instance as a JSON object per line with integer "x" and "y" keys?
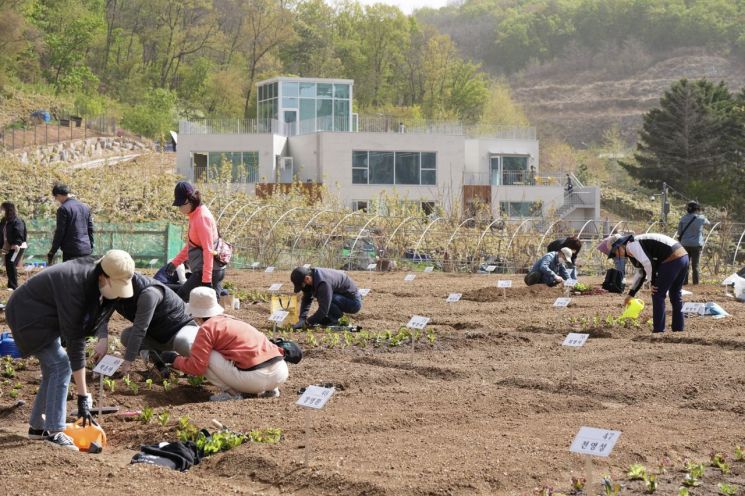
{"x": 578, "y": 106}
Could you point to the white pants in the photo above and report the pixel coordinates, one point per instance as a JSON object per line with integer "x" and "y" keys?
{"x": 181, "y": 342}
{"x": 224, "y": 374}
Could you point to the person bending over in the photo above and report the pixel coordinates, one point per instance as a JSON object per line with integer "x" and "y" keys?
{"x": 335, "y": 291}
{"x": 550, "y": 269}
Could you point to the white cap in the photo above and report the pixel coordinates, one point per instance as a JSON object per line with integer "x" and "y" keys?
{"x": 119, "y": 268}
{"x": 203, "y": 303}
{"x": 567, "y": 253}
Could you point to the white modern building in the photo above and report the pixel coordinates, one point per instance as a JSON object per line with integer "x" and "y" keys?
{"x": 306, "y": 131}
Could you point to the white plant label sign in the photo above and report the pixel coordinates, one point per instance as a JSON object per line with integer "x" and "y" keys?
{"x": 593, "y": 441}
{"x": 254, "y": 265}
{"x": 453, "y": 297}
{"x": 269, "y": 269}
{"x": 562, "y": 302}
{"x": 504, "y": 283}
{"x": 364, "y": 292}
{"x": 699, "y": 308}
{"x": 418, "y": 322}
{"x": 275, "y": 286}
{"x": 575, "y": 339}
{"x": 409, "y": 277}
{"x": 371, "y": 266}
{"x": 429, "y": 268}
{"x": 108, "y": 365}
{"x": 570, "y": 283}
{"x": 279, "y": 316}
{"x": 315, "y": 397}
{"x": 491, "y": 268}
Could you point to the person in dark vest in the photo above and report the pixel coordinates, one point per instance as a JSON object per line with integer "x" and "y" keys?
{"x": 574, "y": 244}
{"x": 13, "y": 232}
{"x": 665, "y": 262}
{"x": 63, "y": 302}
{"x": 159, "y": 322}
{"x": 335, "y": 291}
{"x": 74, "y": 232}
{"x": 691, "y": 236}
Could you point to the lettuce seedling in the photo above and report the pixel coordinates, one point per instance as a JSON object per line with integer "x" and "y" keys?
{"x": 163, "y": 418}
{"x": 110, "y": 383}
{"x": 637, "y": 471}
{"x": 147, "y": 415}
{"x": 727, "y": 489}
{"x": 683, "y": 491}
{"x": 650, "y": 481}
{"x": 149, "y": 384}
{"x": 196, "y": 380}
{"x": 739, "y": 455}
{"x": 578, "y": 483}
{"x": 718, "y": 461}
{"x": 610, "y": 488}
{"x": 132, "y": 385}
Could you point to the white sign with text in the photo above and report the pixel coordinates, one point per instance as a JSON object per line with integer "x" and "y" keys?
{"x": 371, "y": 266}
{"x": 269, "y": 269}
{"x": 593, "y": 441}
{"x": 418, "y": 322}
{"x": 315, "y": 397}
{"x": 453, "y": 297}
{"x": 364, "y": 292}
{"x": 279, "y": 316}
{"x": 575, "y": 339}
{"x": 491, "y": 268}
{"x": 409, "y": 277}
{"x": 562, "y": 302}
{"x": 108, "y": 365}
{"x": 698, "y": 308}
{"x": 429, "y": 268}
{"x": 504, "y": 283}
{"x": 275, "y": 286}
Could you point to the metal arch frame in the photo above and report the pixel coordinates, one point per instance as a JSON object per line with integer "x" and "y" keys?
{"x": 734, "y": 259}
{"x": 232, "y": 219}
{"x": 483, "y": 233}
{"x": 351, "y": 250}
{"x": 579, "y": 234}
{"x": 390, "y": 238}
{"x": 253, "y": 214}
{"x": 708, "y": 236}
{"x": 617, "y": 224}
{"x": 424, "y": 233}
{"x": 337, "y": 225}
{"x": 515, "y": 233}
{"x": 300, "y": 234}
{"x": 651, "y": 226}
{"x": 279, "y": 219}
{"x": 543, "y": 238}
{"x": 452, "y": 237}
{"x": 222, "y": 212}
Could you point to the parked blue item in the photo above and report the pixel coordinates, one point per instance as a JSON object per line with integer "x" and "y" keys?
{"x": 8, "y": 346}
{"x": 42, "y": 115}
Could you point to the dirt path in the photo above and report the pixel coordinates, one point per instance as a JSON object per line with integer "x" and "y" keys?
{"x": 482, "y": 406}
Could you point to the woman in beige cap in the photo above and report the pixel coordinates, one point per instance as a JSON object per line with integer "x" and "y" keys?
{"x": 64, "y": 302}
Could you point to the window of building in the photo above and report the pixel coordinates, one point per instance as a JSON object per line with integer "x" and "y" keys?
{"x": 394, "y": 167}
{"x": 341, "y": 91}
{"x": 211, "y": 166}
{"x": 508, "y": 170}
{"x": 521, "y": 209}
{"x": 360, "y": 205}
{"x": 324, "y": 90}
{"x": 308, "y": 90}
{"x": 289, "y": 89}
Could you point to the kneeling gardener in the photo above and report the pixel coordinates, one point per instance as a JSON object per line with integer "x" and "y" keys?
{"x": 550, "y": 269}
{"x": 335, "y": 291}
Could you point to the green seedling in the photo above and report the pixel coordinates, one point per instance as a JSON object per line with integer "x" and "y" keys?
{"x": 147, "y": 415}
{"x": 13, "y": 393}
{"x": 310, "y": 339}
{"x": 739, "y": 455}
{"x": 637, "y": 471}
{"x": 348, "y": 339}
{"x": 650, "y": 481}
{"x": 610, "y": 488}
{"x": 578, "y": 483}
{"x": 149, "y": 384}
{"x": 163, "y": 418}
{"x": 20, "y": 365}
{"x": 132, "y": 385}
{"x": 109, "y": 383}
{"x": 718, "y": 461}
{"x": 431, "y": 336}
{"x": 167, "y": 385}
{"x": 683, "y": 491}
{"x": 196, "y": 380}
{"x": 727, "y": 489}
{"x": 186, "y": 431}
{"x": 9, "y": 371}
{"x": 265, "y": 436}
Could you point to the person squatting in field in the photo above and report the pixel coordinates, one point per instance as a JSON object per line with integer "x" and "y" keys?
{"x": 665, "y": 262}
{"x": 574, "y": 244}
{"x": 63, "y": 302}
{"x": 232, "y": 354}
{"x": 550, "y": 269}
{"x": 335, "y": 291}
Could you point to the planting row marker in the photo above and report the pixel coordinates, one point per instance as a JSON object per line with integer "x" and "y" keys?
{"x": 313, "y": 398}
{"x": 106, "y": 367}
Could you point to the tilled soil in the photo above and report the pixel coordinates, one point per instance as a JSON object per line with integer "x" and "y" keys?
{"x": 483, "y": 405}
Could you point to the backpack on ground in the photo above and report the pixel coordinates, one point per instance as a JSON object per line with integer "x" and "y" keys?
{"x": 614, "y": 281}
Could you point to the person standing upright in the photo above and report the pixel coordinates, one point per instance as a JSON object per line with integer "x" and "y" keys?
{"x": 13, "y": 232}
{"x": 691, "y": 236}
{"x": 74, "y": 232}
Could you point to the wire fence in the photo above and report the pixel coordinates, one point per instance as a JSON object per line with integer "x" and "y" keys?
{"x": 40, "y": 133}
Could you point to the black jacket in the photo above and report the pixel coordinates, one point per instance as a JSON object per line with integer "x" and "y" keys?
{"x": 14, "y": 230}
{"x": 169, "y": 316}
{"x": 74, "y": 233}
{"x": 326, "y": 282}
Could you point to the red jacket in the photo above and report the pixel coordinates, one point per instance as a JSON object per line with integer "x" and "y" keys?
{"x": 202, "y": 234}
{"x": 234, "y": 339}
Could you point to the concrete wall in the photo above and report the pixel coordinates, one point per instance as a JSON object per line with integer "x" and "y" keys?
{"x": 481, "y": 149}
{"x": 304, "y": 151}
{"x": 551, "y": 196}
{"x": 266, "y": 144}
{"x": 335, "y": 164}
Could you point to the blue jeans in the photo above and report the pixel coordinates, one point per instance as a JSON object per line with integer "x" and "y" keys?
{"x": 670, "y": 278}
{"x": 341, "y": 304}
{"x": 51, "y": 400}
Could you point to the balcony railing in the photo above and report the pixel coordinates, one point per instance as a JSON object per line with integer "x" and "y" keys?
{"x": 357, "y": 124}
{"x": 511, "y": 178}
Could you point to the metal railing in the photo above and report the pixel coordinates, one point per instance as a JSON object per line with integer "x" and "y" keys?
{"x": 511, "y": 178}
{"x": 35, "y": 133}
{"x": 361, "y": 124}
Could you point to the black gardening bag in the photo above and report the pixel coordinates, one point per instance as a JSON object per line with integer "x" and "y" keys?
{"x": 614, "y": 281}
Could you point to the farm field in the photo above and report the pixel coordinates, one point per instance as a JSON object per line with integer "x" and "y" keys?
{"x": 481, "y": 404}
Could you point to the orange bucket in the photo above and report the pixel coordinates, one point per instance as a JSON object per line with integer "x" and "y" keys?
{"x": 84, "y": 436}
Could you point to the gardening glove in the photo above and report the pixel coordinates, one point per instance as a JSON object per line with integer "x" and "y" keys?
{"x": 84, "y": 411}
{"x": 300, "y": 324}
{"x": 170, "y": 269}
{"x": 169, "y": 357}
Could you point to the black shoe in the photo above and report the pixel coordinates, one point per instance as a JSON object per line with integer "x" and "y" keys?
{"x": 532, "y": 278}
{"x": 37, "y": 434}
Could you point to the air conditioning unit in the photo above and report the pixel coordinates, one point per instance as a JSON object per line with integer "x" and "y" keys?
{"x": 285, "y": 164}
